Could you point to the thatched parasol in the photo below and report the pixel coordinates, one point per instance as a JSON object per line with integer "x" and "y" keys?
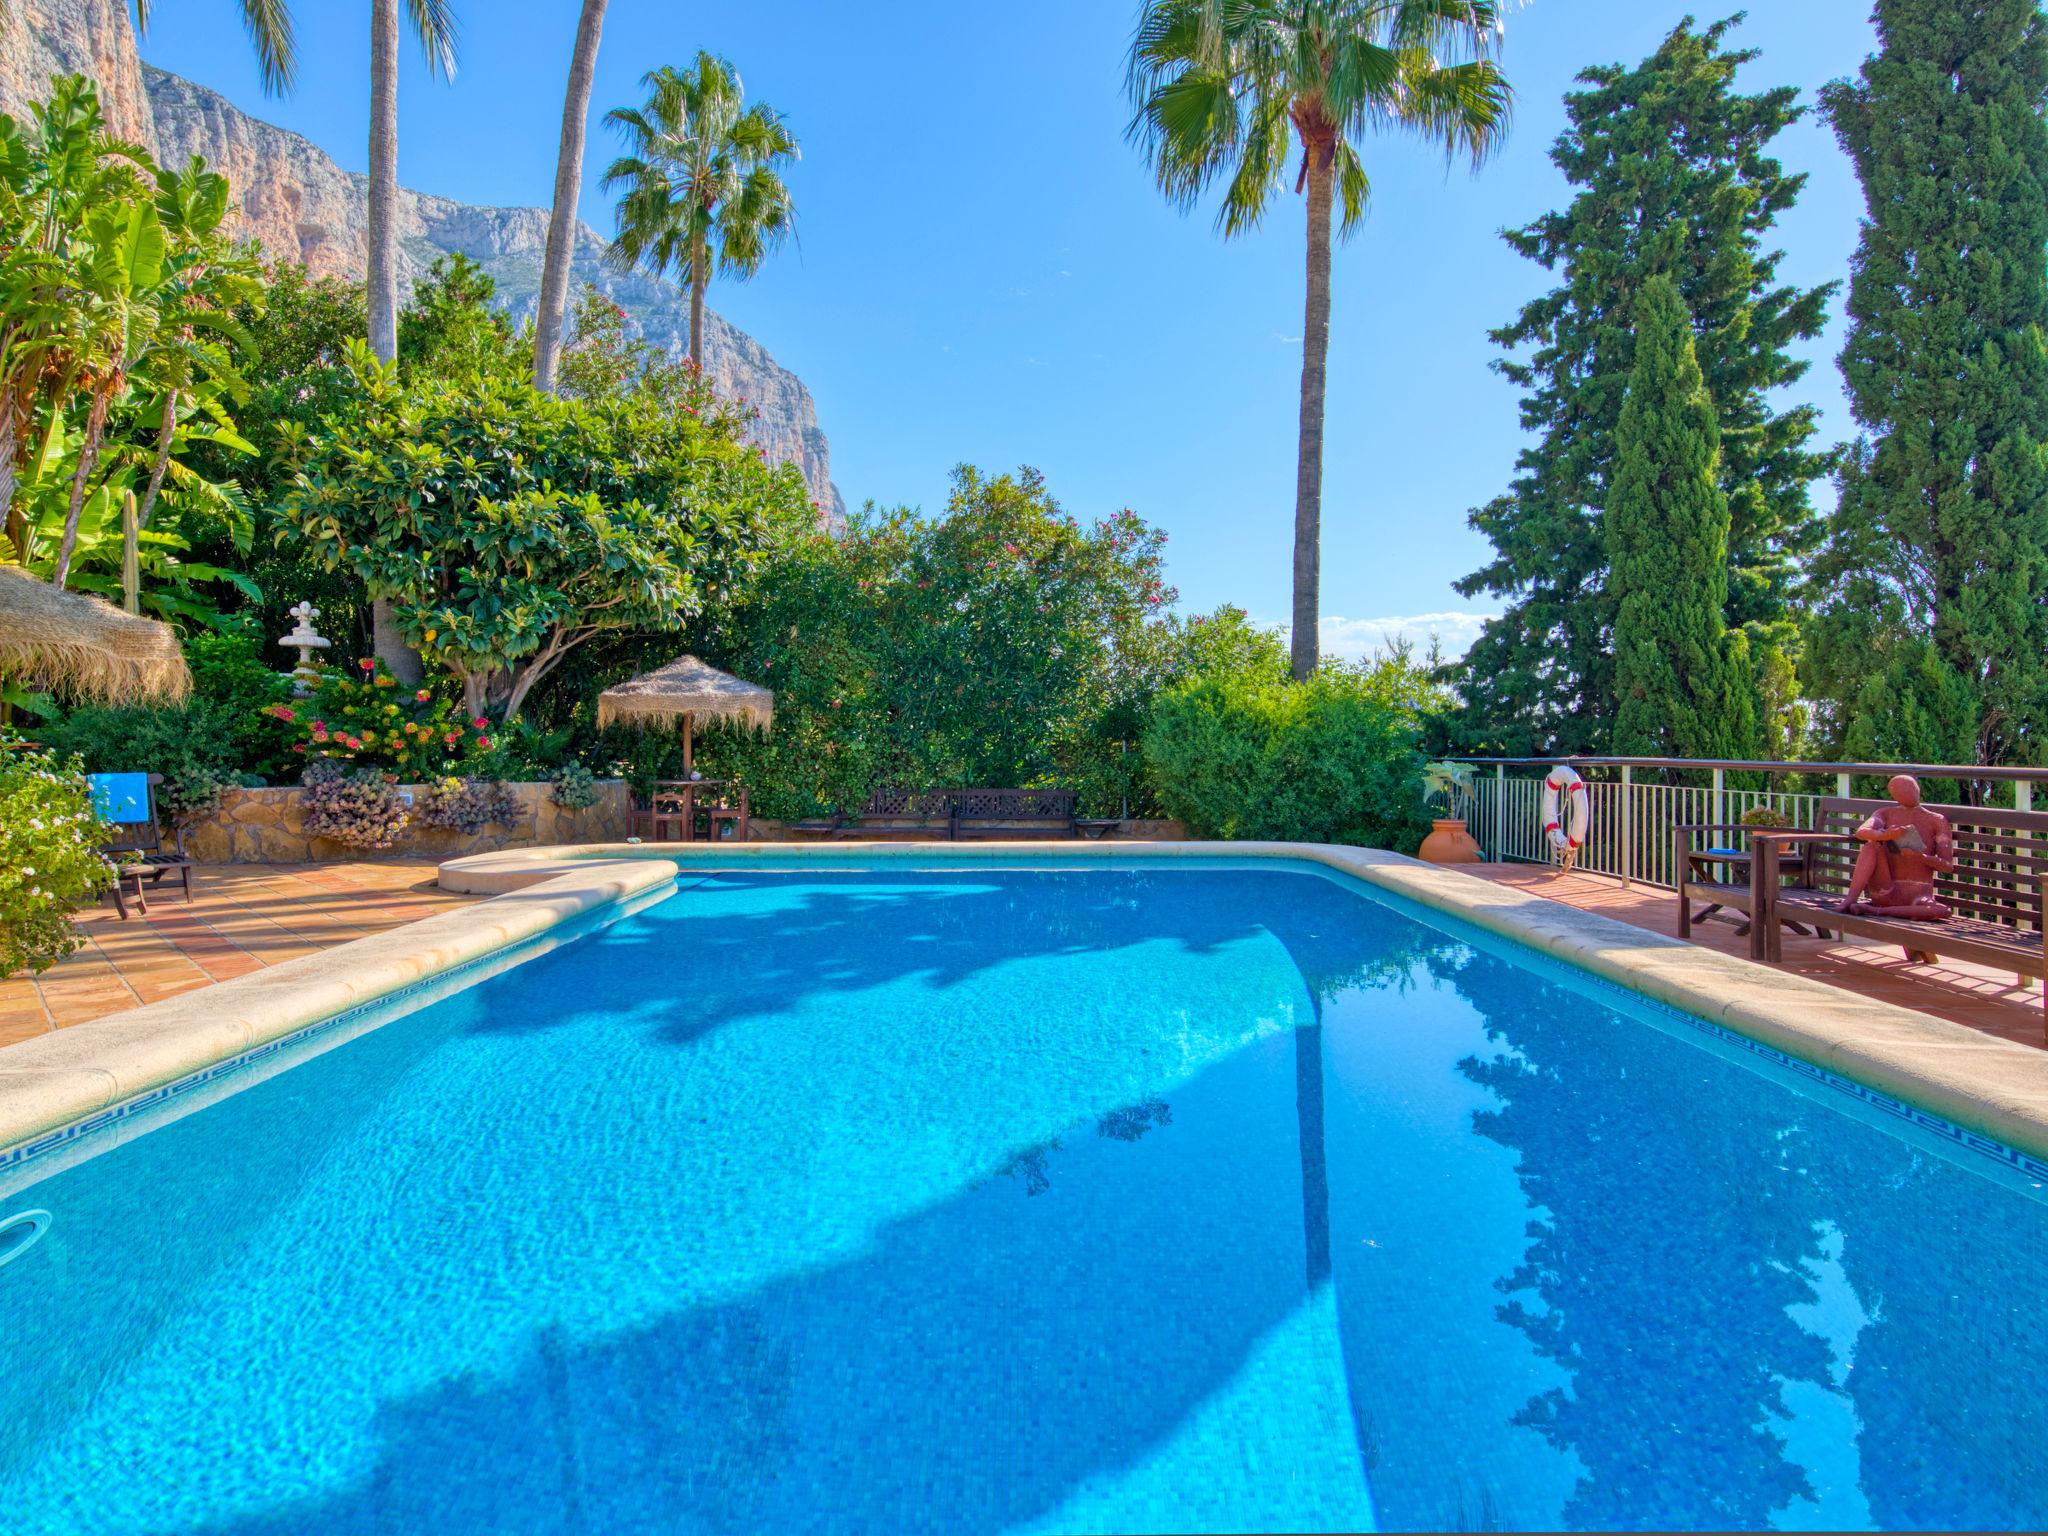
{"x": 72, "y": 643}
{"x": 683, "y": 690}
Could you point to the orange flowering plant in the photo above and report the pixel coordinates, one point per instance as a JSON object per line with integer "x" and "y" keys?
{"x": 365, "y": 715}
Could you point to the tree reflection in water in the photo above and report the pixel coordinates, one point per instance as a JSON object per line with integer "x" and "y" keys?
{"x": 1681, "y": 1211}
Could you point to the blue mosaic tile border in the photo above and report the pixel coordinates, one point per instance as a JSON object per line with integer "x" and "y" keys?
{"x": 22, "y": 1152}
{"x": 393, "y": 1002}
{"x": 1898, "y": 1109}
{"x": 2010, "y": 1158}
{"x": 1533, "y": 959}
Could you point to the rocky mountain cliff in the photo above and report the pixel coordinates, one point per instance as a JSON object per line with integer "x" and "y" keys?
{"x": 303, "y": 207}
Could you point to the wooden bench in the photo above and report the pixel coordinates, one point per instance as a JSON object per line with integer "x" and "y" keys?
{"x": 952, "y": 814}
{"x": 1996, "y": 889}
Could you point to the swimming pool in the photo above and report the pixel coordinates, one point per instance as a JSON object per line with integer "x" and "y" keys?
{"x": 999, "y": 1198}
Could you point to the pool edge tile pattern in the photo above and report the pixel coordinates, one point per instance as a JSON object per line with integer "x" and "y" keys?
{"x": 57, "y": 1079}
{"x": 1993, "y": 1088}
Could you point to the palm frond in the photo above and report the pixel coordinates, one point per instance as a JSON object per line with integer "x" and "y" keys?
{"x": 433, "y": 24}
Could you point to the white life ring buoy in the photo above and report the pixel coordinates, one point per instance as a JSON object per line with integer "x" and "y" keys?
{"x": 1567, "y": 812}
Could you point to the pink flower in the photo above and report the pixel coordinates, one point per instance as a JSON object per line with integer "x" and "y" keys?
{"x": 454, "y": 737}
{"x": 367, "y": 665}
{"x": 319, "y": 725}
{"x": 483, "y": 741}
{"x": 479, "y": 722}
{"x": 319, "y": 735}
{"x": 423, "y": 696}
{"x": 299, "y": 746}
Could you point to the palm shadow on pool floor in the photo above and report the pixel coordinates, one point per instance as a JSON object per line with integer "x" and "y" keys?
{"x": 980, "y": 1363}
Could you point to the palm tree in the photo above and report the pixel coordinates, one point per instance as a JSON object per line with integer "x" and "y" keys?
{"x": 1223, "y": 88}
{"x": 433, "y": 24}
{"x": 703, "y": 181}
{"x": 554, "y": 276}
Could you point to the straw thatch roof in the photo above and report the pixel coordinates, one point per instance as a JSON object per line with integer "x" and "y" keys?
{"x": 686, "y": 686}
{"x": 71, "y": 643}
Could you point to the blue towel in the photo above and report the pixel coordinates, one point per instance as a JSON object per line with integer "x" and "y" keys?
{"x": 120, "y": 797}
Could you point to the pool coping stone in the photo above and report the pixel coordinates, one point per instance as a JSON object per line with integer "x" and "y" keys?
{"x": 1994, "y": 1087}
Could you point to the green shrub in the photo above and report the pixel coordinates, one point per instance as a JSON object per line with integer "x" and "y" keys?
{"x": 192, "y": 745}
{"x": 228, "y": 671}
{"x": 49, "y": 858}
{"x": 575, "y": 786}
{"x": 1329, "y": 760}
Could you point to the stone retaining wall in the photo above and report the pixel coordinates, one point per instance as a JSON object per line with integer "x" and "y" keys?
{"x": 268, "y": 826}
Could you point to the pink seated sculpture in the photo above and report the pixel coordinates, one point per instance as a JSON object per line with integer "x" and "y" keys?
{"x": 1903, "y": 845}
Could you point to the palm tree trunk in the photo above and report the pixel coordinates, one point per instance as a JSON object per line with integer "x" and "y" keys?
{"x": 88, "y": 460}
{"x": 16, "y": 525}
{"x": 700, "y": 278}
{"x": 399, "y": 659}
{"x": 166, "y": 431}
{"x": 1315, "y": 361}
{"x": 554, "y": 281}
{"x": 383, "y": 270}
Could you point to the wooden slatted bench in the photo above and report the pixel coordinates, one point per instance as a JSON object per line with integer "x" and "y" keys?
{"x": 953, "y": 814}
{"x": 1996, "y": 889}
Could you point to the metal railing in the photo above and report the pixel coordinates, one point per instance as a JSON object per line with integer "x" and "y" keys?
{"x": 1638, "y": 802}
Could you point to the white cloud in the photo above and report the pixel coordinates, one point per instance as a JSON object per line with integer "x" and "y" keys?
{"x": 1354, "y": 638}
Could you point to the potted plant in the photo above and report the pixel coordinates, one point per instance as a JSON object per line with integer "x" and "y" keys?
{"x": 1448, "y": 786}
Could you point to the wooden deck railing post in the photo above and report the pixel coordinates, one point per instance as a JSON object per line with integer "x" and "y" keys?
{"x": 1500, "y": 804}
{"x": 1627, "y": 849}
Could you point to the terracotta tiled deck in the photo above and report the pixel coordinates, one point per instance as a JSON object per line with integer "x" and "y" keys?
{"x": 1993, "y": 1001}
{"x": 242, "y": 917}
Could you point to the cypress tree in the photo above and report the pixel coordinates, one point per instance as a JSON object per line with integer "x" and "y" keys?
{"x": 1940, "y": 536}
{"x": 1682, "y": 679}
{"x": 1674, "y": 176}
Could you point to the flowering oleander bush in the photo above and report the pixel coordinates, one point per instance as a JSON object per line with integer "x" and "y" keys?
{"x": 575, "y": 786}
{"x": 49, "y": 857}
{"x": 467, "y": 805}
{"x": 364, "y": 715}
{"x": 362, "y": 807}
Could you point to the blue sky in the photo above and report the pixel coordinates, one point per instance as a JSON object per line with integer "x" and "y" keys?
{"x": 986, "y": 273}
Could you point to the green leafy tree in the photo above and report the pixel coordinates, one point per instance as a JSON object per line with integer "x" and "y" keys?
{"x": 703, "y": 181}
{"x": 1003, "y": 643}
{"x": 1941, "y": 528}
{"x": 1222, "y": 93}
{"x": 505, "y": 527}
{"x": 453, "y": 325}
{"x": 1682, "y": 680}
{"x": 1675, "y": 178}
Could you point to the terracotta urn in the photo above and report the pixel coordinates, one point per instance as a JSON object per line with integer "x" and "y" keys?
{"x": 1449, "y": 843}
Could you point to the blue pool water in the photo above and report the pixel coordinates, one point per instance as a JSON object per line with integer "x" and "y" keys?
{"x": 1219, "y": 1198}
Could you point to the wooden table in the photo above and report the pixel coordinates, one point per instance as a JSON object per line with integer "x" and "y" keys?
{"x": 1767, "y": 850}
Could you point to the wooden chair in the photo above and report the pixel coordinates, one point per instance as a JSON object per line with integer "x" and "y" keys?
{"x": 726, "y": 809}
{"x": 137, "y": 853}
